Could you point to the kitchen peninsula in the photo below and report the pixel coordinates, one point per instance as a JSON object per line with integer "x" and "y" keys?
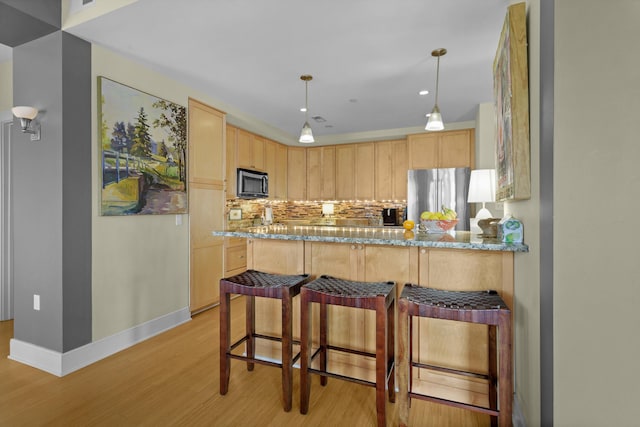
{"x": 454, "y": 261}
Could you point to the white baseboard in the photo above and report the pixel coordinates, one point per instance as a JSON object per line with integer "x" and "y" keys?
{"x": 517, "y": 416}
{"x": 61, "y": 364}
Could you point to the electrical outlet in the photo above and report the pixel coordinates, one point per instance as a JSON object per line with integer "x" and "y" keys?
{"x": 36, "y": 302}
{"x": 178, "y": 219}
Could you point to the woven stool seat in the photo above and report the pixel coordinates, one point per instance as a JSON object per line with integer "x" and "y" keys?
{"x": 377, "y": 296}
{"x": 481, "y": 307}
{"x": 253, "y": 284}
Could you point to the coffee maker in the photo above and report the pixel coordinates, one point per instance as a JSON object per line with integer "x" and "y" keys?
{"x": 390, "y": 216}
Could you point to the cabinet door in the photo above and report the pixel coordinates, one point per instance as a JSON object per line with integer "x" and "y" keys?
{"x": 345, "y": 324}
{"x": 364, "y": 173}
{"x": 399, "y": 169}
{"x": 257, "y": 152}
{"x": 206, "y": 144}
{"x": 391, "y": 170}
{"x": 383, "y": 171}
{"x": 296, "y": 173}
{"x": 321, "y": 167}
{"x": 457, "y": 149}
{"x": 206, "y": 207}
{"x": 345, "y": 172}
{"x": 231, "y": 162}
{"x": 250, "y": 150}
{"x": 423, "y": 150}
{"x": 270, "y": 167}
{"x": 281, "y": 171}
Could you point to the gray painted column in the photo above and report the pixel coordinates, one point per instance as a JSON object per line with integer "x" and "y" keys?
{"x": 52, "y": 193}
{"x": 547, "y": 41}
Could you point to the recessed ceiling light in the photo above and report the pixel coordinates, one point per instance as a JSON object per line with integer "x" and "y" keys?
{"x": 303, "y": 109}
{"x": 423, "y": 92}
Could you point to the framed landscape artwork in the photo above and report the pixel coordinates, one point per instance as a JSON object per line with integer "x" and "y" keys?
{"x": 143, "y": 147}
{"x": 511, "y": 92}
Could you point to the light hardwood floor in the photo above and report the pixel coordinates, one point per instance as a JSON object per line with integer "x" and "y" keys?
{"x": 172, "y": 380}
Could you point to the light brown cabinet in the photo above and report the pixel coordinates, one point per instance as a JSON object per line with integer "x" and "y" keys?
{"x": 250, "y": 150}
{"x": 275, "y": 156}
{"x": 296, "y": 173}
{"x": 391, "y": 170}
{"x": 450, "y": 149}
{"x": 207, "y": 129}
{"x": 235, "y": 260}
{"x": 231, "y": 162}
{"x": 321, "y": 173}
{"x": 355, "y": 174}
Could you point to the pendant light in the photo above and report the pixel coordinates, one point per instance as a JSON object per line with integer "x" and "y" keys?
{"x": 306, "y": 136}
{"x": 435, "y": 118}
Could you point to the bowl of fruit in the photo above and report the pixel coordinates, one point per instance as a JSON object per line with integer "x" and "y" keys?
{"x": 438, "y": 222}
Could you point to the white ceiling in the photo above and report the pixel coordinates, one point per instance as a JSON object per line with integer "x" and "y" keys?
{"x": 368, "y": 58}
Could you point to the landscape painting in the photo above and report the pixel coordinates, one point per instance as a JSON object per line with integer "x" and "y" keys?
{"x": 143, "y": 151}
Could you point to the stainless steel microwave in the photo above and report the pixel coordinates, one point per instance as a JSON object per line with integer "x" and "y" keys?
{"x": 252, "y": 184}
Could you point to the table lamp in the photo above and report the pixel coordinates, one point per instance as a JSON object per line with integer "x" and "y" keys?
{"x": 482, "y": 189}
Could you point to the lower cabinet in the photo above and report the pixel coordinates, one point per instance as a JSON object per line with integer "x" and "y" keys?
{"x": 235, "y": 256}
{"x": 439, "y": 342}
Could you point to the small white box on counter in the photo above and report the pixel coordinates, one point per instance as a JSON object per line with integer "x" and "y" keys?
{"x": 510, "y": 230}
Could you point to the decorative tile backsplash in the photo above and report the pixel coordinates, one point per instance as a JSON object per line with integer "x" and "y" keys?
{"x": 253, "y": 210}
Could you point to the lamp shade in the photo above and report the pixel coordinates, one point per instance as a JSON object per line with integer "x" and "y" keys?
{"x": 306, "y": 136}
{"x": 435, "y": 120}
{"x": 24, "y": 112}
{"x": 482, "y": 186}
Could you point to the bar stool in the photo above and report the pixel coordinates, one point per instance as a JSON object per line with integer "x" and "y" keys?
{"x": 253, "y": 284}
{"x": 483, "y": 307}
{"x": 378, "y": 296}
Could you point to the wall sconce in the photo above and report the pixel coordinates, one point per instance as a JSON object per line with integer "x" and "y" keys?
{"x": 26, "y": 116}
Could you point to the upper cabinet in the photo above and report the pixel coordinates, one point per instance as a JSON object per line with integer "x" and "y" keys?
{"x": 231, "y": 162}
{"x": 355, "y": 171}
{"x": 206, "y": 144}
{"x": 321, "y": 173}
{"x": 450, "y": 149}
{"x": 275, "y": 159}
{"x": 250, "y": 150}
{"x": 391, "y": 170}
{"x": 296, "y": 173}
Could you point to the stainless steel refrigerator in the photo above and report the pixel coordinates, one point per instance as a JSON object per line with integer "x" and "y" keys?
{"x": 429, "y": 189}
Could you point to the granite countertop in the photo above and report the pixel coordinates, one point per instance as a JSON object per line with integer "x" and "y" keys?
{"x": 375, "y": 236}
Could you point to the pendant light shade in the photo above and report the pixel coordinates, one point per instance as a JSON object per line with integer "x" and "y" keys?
{"x": 435, "y": 118}
{"x": 306, "y": 135}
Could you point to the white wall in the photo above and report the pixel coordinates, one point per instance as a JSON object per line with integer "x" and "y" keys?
{"x": 596, "y": 201}
{"x": 527, "y": 266}
{"x": 6, "y": 85}
{"x": 140, "y": 263}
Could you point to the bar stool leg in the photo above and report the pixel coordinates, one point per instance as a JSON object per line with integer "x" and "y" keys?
{"x": 493, "y": 371}
{"x": 225, "y": 336}
{"x": 505, "y": 369}
{"x": 250, "y": 315}
{"x": 381, "y": 360}
{"x": 404, "y": 350}
{"x": 324, "y": 331}
{"x": 305, "y": 351}
{"x": 391, "y": 350}
{"x": 287, "y": 350}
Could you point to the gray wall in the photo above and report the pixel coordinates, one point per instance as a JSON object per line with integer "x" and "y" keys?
{"x": 52, "y": 195}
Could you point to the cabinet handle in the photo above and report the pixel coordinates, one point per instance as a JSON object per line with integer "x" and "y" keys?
{"x": 241, "y": 256}
{"x": 423, "y": 251}
{"x": 353, "y": 247}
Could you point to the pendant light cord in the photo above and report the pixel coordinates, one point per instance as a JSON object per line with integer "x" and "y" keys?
{"x": 437, "y": 79}
{"x": 306, "y": 101}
